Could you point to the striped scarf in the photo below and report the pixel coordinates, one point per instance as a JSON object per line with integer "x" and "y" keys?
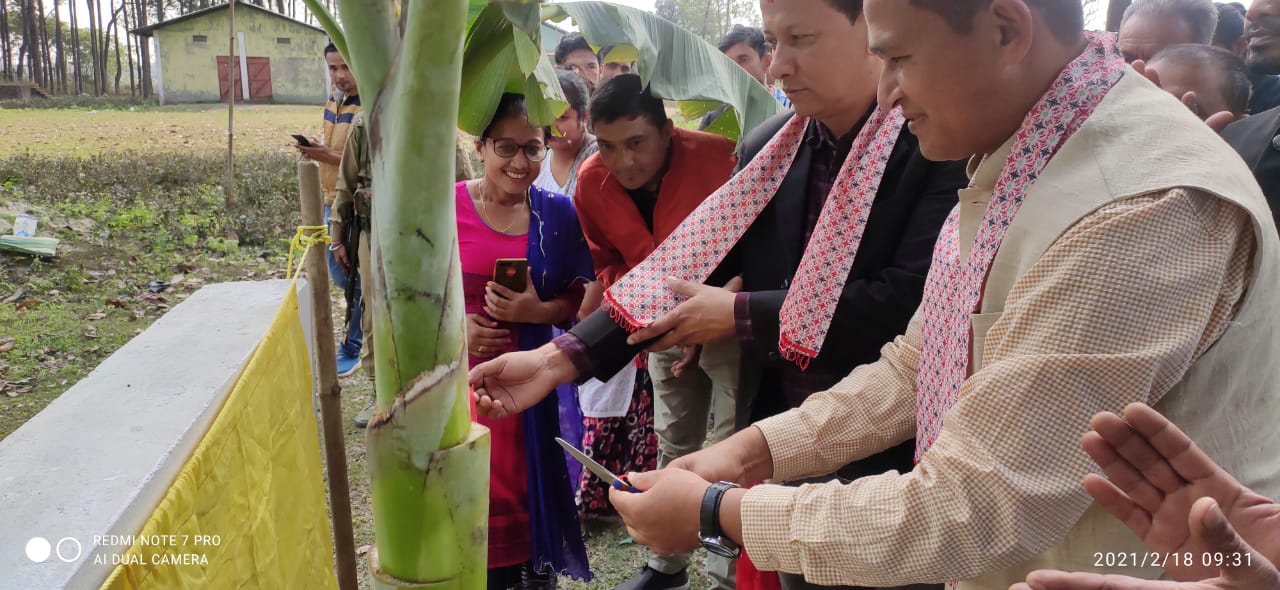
{"x": 704, "y": 238}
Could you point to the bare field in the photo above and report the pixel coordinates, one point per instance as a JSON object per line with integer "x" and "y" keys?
{"x": 186, "y": 128}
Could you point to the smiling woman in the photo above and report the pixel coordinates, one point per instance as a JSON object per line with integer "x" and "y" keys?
{"x": 494, "y": 226}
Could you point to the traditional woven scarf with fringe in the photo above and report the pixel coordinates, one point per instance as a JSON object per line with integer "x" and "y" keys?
{"x": 698, "y": 245}
{"x": 953, "y": 290}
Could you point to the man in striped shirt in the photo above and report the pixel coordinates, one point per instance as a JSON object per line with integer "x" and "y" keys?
{"x": 344, "y": 103}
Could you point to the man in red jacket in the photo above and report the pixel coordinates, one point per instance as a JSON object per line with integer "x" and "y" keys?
{"x": 648, "y": 176}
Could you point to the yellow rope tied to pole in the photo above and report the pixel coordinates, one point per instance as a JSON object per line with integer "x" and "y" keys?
{"x": 306, "y": 237}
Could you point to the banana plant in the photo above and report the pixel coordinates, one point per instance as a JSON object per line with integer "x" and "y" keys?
{"x": 428, "y": 463}
{"x": 426, "y": 69}
{"x": 676, "y": 64}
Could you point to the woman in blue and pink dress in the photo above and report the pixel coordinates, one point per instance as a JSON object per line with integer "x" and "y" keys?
{"x": 534, "y": 533}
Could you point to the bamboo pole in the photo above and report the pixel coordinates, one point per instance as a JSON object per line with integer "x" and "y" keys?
{"x": 329, "y": 392}
{"x": 228, "y": 189}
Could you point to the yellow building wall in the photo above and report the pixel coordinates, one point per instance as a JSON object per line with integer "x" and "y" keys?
{"x": 188, "y": 67}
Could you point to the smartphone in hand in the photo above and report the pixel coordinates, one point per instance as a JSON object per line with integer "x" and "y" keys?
{"x": 302, "y": 140}
{"x": 512, "y": 273}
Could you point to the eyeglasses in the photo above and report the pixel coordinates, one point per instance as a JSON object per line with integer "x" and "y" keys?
{"x": 507, "y": 148}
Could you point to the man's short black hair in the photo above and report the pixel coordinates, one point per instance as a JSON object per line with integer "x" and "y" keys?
{"x": 575, "y": 90}
{"x": 1064, "y": 17}
{"x": 1235, "y": 76}
{"x": 749, "y": 36}
{"x": 623, "y": 97}
{"x": 851, "y": 9}
{"x": 604, "y": 51}
{"x": 1230, "y": 26}
{"x": 569, "y": 44}
{"x": 330, "y": 48}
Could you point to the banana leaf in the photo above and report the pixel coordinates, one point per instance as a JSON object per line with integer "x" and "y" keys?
{"x": 502, "y": 55}
{"x": 677, "y": 64}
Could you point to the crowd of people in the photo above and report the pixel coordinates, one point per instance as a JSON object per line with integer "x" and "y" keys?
{"x": 858, "y": 348}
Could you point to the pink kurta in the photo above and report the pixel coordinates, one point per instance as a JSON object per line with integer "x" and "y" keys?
{"x": 479, "y": 246}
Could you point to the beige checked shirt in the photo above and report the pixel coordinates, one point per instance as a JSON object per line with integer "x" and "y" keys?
{"x": 1114, "y": 312}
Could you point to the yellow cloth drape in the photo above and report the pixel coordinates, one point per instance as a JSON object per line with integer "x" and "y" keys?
{"x": 254, "y": 481}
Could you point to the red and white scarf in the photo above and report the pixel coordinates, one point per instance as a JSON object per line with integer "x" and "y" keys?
{"x": 953, "y": 291}
{"x": 704, "y": 238}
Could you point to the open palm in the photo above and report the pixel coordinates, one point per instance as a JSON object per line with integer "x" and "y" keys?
{"x": 1209, "y": 526}
{"x": 1155, "y": 473}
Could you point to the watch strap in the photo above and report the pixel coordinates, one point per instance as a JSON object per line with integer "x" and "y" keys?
{"x": 709, "y": 526}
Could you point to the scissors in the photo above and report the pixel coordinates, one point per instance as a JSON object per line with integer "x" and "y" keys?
{"x": 619, "y": 483}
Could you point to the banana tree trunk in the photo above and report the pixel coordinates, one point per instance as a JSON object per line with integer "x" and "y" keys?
{"x": 428, "y": 464}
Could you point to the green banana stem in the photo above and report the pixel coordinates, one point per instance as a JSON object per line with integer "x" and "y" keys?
{"x": 373, "y": 38}
{"x": 429, "y": 465}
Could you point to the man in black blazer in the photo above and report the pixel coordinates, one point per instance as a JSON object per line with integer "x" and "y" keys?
{"x": 1255, "y": 138}
{"x": 885, "y": 283}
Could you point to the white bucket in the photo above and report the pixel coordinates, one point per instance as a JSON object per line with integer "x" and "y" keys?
{"x": 25, "y": 225}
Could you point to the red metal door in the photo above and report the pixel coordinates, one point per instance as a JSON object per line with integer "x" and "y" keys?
{"x": 259, "y": 78}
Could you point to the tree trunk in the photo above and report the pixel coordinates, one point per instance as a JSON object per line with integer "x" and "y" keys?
{"x": 46, "y": 63}
{"x": 75, "y": 50}
{"x": 144, "y": 47}
{"x": 128, "y": 50}
{"x": 4, "y": 41}
{"x": 705, "y": 31}
{"x": 22, "y": 45}
{"x": 31, "y": 40}
{"x": 76, "y": 78}
{"x": 60, "y": 46}
{"x": 114, "y": 32}
{"x": 93, "y": 46}
{"x": 104, "y": 39}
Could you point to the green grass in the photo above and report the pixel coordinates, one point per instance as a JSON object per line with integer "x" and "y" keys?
{"x": 65, "y": 315}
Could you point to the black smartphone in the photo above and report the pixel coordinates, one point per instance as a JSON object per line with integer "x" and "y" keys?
{"x": 512, "y": 273}
{"x": 302, "y": 140}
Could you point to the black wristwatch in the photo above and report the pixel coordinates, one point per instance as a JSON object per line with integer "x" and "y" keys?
{"x": 709, "y": 531}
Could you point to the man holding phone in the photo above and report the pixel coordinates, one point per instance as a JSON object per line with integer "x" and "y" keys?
{"x": 339, "y": 112}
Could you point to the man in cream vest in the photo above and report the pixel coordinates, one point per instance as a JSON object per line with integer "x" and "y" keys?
{"x": 1110, "y": 249}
